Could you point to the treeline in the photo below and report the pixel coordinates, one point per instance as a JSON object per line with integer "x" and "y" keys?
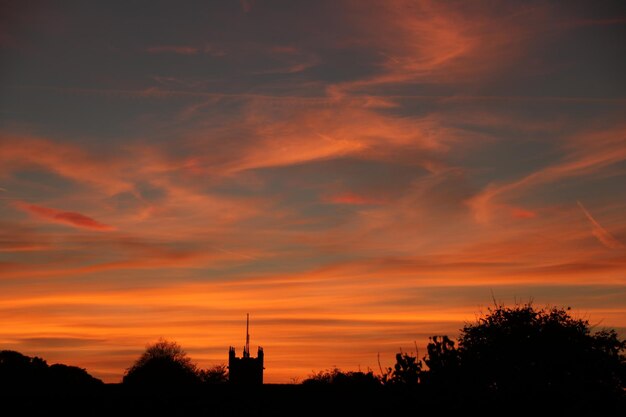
{"x": 509, "y": 354}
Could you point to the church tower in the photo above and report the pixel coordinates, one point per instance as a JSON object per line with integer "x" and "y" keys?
{"x": 246, "y": 370}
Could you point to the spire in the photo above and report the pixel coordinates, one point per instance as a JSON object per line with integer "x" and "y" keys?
{"x": 246, "y": 350}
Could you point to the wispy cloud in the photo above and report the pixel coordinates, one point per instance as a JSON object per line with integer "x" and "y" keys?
{"x": 600, "y": 232}
{"x": 587, "y": 153}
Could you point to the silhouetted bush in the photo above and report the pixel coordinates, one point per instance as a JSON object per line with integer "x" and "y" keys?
{"x": 337, "y": 377}
{"x": 444, "y": 365}
{"x": 164, "y": 364}
{"x": 406, "y": 372}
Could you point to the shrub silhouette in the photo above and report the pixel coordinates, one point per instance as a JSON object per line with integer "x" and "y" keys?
{"x": 443, "y": 362}
{"x": 523, "y": 352}
{"x": 337, "y": 377}
{"x": 407, "y": 371}
{"x": 164, "y": 364}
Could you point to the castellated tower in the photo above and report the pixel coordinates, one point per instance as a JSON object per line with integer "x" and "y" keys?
{"x": 246, "y": 370}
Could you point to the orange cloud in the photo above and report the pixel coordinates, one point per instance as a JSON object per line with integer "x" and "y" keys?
{"x": 64, "y": 217}
{"x": 282, "y": 135}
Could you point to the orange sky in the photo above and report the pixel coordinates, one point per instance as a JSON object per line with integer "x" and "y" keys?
{"x": 356, "y": 175}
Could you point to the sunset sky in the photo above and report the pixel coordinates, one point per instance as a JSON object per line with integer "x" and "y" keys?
{"x": 357, "y": 175}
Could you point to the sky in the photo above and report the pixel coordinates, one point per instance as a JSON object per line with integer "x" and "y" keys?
{"x": 357, "y": 175}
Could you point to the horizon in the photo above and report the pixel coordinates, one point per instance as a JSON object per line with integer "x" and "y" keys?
{"x": 356, "y": 175}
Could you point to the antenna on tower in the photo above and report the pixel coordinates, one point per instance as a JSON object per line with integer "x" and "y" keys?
{"x": 246, "y": 350}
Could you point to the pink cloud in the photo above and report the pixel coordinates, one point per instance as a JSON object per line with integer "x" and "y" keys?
{"x": 585, "y": 154}
{"x": 429, "y": 41}
{"x": 64, "y": 217}
{"x": 600, "y": 232}
{"x": 520, "y": 213}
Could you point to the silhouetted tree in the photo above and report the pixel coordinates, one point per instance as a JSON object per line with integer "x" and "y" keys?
{"x": 19, "y": 372}
{"x": 164, "y": 364}
{"x": 526, "y": 353}
{"x": 71, "y": 377}
{"x": 217, "y": 374}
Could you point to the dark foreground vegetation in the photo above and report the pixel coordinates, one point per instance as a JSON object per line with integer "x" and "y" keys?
{"x": 512, "y": 361}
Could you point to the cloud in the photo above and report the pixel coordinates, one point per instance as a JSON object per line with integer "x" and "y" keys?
{"x": 186, "y": 50}
{"x": 423, "y": 41}
{"x": 351, "y": 198}
{"x": 22, "y": 152}
{"x": 285, "y": 135}
{"x": 600, "y": 232}
{"x": 520, "y": 213}
{"x": 585, "y": 154}
{"x": 77, "y": 220}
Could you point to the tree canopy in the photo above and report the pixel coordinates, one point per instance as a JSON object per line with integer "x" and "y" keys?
{"x": 20, "y": 372}
{"x": 526, "y": 352}
{"x": 163, "y": 364}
